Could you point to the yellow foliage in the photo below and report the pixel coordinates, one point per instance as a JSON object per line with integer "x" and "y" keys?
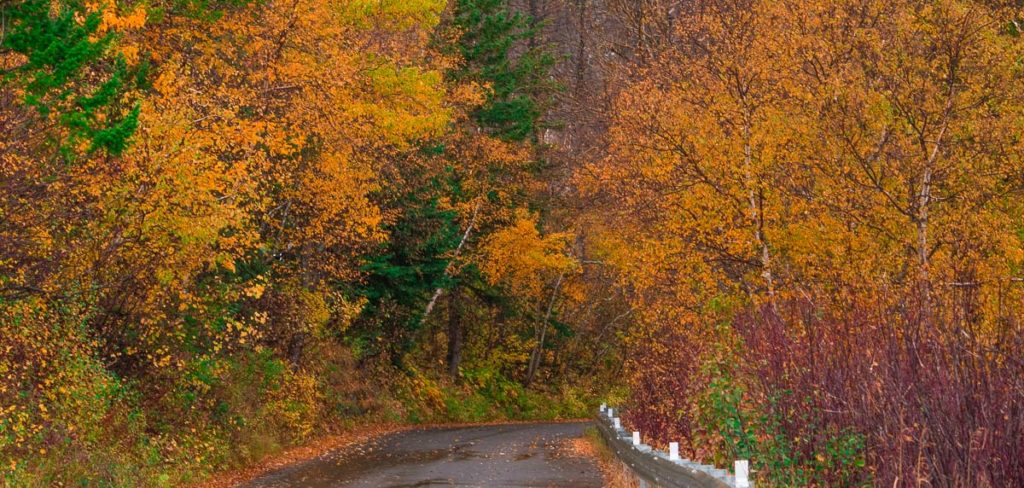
{"x": 779, "y": 163}
{"x": 393, "y": 14}
{"x": 520, "y": 258}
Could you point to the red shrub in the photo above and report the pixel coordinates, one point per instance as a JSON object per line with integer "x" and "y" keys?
{"x": 666, "y": 375}
{"x": 937, "y": 403}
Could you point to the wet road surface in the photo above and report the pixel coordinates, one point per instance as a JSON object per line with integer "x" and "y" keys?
{"x": 512, "y": 455}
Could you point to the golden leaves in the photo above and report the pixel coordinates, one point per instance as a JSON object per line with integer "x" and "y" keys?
{"x": 405, "y": 104}
{"x": 397, "y": 15}
{"x": 803, "y": 148}
{"x": 521, "y": 259}
{"x": 113, "y": 20}
{"x": 300, "y": 114}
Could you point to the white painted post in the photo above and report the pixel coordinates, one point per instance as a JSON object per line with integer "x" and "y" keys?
{"x": 673, "y": 451}
{"x": 636, "y": 438}
{"x": 618, "y": 425}
{"x": 742, "y": 473}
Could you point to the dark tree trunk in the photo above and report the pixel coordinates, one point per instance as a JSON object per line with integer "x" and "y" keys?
{"x": 297, "y": 341}
{"x": 537, "y": 357}
{"x": 295, "y": 347}
{"x": 455, "y": 331}
{"x": 534, "y": 20}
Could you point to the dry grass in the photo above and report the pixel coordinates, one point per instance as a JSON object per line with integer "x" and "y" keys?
{"x": 615, "y": 474}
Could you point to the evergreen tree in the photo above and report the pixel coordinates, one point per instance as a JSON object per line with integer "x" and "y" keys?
{"x": 520, "y": 85}
{"x": 69, "y": 73}
{"x": 403, "y": 277}
{"x": 405, "y": 271}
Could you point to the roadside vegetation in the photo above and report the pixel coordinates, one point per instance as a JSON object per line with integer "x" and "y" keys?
{"x": 614, "y": 472}
{"x": 783, "y": 230}
{"x": 231, "y": 227}
{"x": 817, "y": 209}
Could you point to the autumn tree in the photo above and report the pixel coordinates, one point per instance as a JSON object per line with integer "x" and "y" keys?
{"x": 490, "y": 35}
{"x": 467, "y": 184}
{"x": 917, "y": 155}
{"x": 169, "y": 225}
{"x": 702, "y": 158}
{"x": 791, "y": 160}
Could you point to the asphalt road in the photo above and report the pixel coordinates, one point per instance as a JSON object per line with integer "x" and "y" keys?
{"x": 511, "y": 455}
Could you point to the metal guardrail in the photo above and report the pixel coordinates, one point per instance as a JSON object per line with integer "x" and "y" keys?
{"x": 655, "y": 468}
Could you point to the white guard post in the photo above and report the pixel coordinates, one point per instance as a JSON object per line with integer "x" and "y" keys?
{"x": 742, "y": 473}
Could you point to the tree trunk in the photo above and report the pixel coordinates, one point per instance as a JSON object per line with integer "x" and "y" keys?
{"x": 924, "y": 196}
{"x": 448, "y": 270}
{"x": 533, "y": 13}
{"x": 538, "y": 350}
{"x": 924, "y": 201}
{"x": 455, "y": 331}
{"x": 297, "y": 341}
{"x": 581, "y": 48}
{"x": 295, "y": 347}
{"x": 756, "y": 200}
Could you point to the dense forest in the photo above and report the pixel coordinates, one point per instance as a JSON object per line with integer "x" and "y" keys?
{"x": 790, "y": 231}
